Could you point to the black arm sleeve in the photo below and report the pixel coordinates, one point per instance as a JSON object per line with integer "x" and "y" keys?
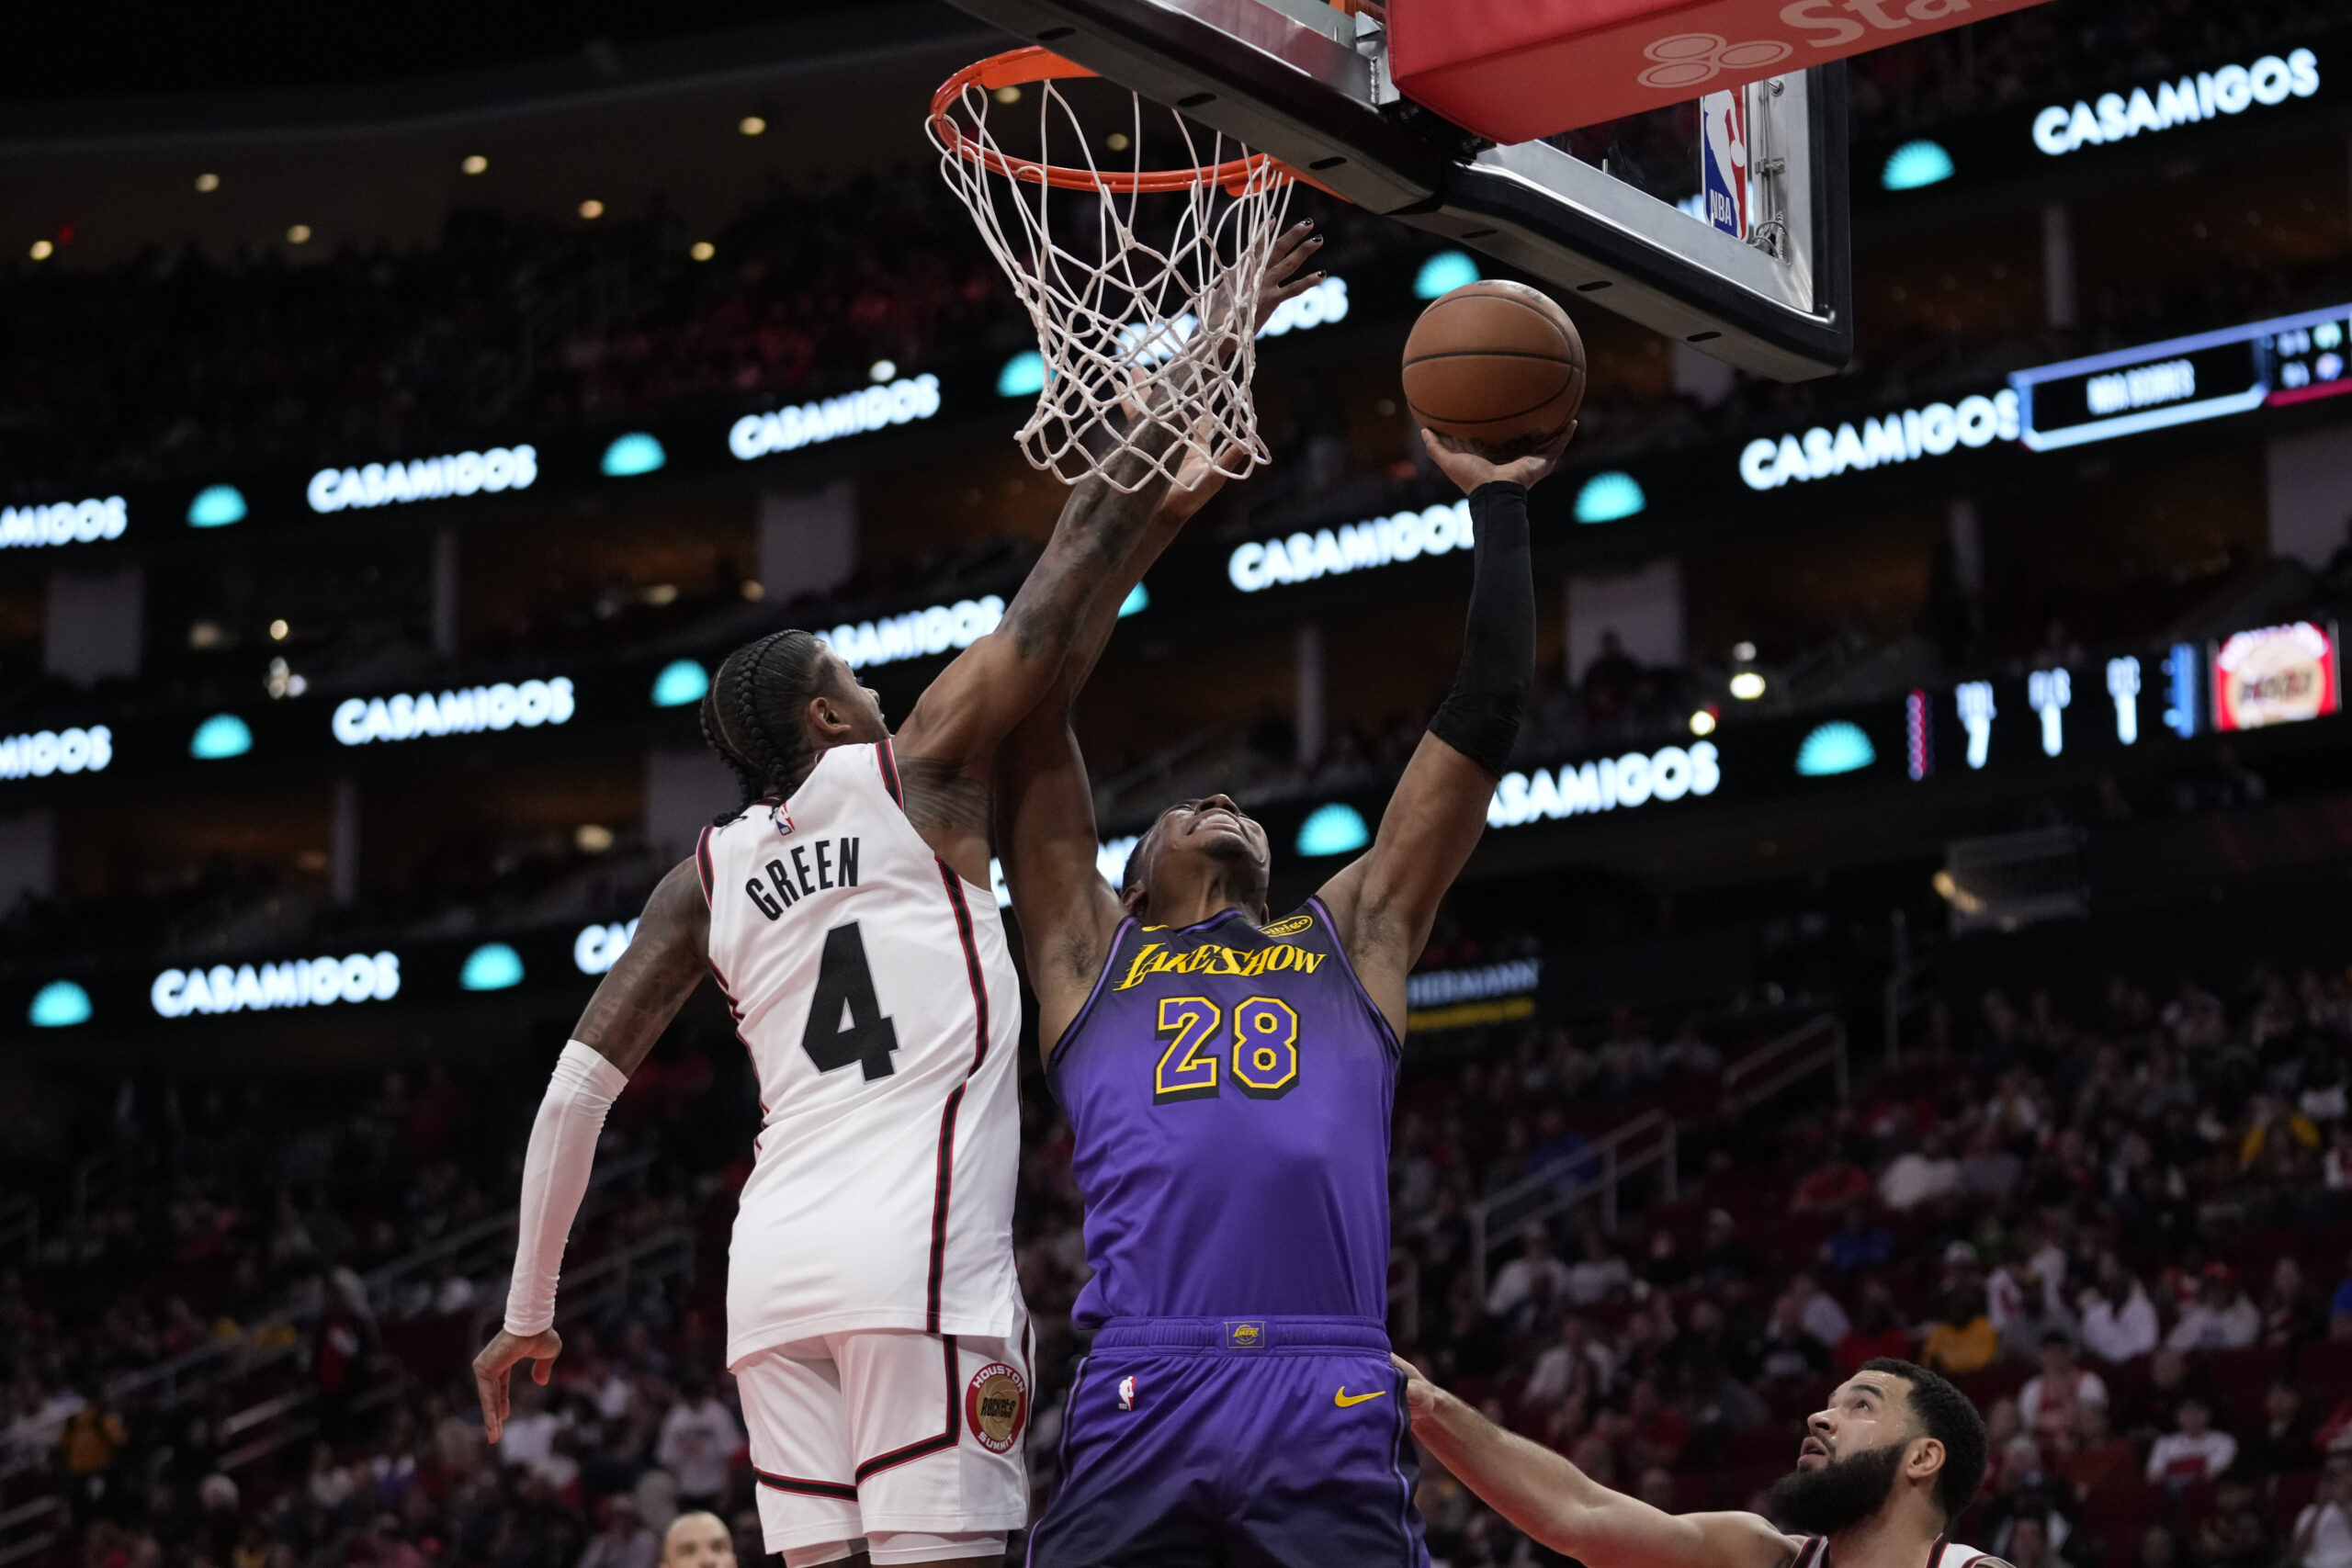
{"x": 1480, "y": 715}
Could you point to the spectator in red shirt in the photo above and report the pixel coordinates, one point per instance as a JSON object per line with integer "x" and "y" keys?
{"x": 2194, "y": 1451}
{"x": 2096, "y": 1457}
{"x": 1832, "y": 1185}
{"x": 1875, "y": 1333}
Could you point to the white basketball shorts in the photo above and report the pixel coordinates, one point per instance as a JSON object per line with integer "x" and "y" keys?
{"x": 887, "y": 1430}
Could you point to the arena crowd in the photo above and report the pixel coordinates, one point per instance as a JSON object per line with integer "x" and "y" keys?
{"x": 2125, "y": 1231}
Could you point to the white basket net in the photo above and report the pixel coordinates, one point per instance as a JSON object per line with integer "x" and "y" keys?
{"x": 1142, "y": 283}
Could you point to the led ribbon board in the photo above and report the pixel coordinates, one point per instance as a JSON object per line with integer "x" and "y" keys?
{"x": 423, "y": 478}
{"x": 1610, "y": 783}
{"x": 63, "y": 523}
{"x": 406, "y": 715}
{"x": 2289, "y": 359}
{"x": 852, "y": 413}
{"x": 2163, "y": 106}
{"x": 266, "y": 988}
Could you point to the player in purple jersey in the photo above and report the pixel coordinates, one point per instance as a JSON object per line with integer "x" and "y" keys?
{"x": 1229, "y": 1078}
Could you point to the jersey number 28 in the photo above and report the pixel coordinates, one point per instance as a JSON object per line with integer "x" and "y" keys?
{"x": 1264, "y": 1055}
{"x": 846, "y": 1022}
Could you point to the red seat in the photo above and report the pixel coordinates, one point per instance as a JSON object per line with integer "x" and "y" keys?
{"x": 2116, "y": 1517}
{"x": 1770, "y": 1444}
{"x": 1735, "y": 1484}
{"x": 1795, "y": 1401}
{"x": 1694, "y": 1491}
{"x": 2241, "y": 1378}
{"x": 2325, "y": 1371}
{"x": 2295, "y": 1491}
{"x": 1989, "y": 1385}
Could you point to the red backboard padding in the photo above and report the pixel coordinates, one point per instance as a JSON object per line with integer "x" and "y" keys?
{"x": 1517, "y": 69}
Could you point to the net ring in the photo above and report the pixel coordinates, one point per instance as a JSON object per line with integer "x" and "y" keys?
{"x": 1019, "y": 68}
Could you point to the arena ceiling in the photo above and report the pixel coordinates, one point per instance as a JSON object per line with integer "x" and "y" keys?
{"x": 130, "y": 129}
{"x": 137, "y": 47}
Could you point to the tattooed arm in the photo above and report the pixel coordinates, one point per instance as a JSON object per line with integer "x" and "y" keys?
{"x": 654, "y": 974}
{"x": 1045, "y": 804}
{"x": 633, "y": 1004}
{"x": 947, "y": 746}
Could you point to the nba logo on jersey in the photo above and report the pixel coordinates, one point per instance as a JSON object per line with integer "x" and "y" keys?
{"x": 1127, "y": 1393}
{"x": 1722, "y": 159}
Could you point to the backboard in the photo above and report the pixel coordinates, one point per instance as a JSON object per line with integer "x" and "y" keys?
{"x": 1309, "y": 83}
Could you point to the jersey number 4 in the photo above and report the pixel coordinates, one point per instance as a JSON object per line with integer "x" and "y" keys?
{"x": 1264, "y": 1052}
{"x": 846, "y": 1022}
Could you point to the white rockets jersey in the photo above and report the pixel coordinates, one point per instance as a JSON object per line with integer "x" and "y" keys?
{"x": 876, "y": 993}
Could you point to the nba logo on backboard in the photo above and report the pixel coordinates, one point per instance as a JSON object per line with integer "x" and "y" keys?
{"x": 1722, "y": 159}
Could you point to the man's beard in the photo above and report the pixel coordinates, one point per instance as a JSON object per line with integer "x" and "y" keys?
{"x": 1841, "y": 1493}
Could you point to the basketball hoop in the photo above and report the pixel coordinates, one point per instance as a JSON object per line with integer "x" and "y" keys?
{"x": 1152, "y": 331}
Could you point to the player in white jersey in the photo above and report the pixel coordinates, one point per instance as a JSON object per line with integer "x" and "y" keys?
{"x": 1885, "y": 1470}
{"x": 874, "y": 1322}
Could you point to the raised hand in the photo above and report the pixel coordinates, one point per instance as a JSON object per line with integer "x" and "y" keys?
{"x": 1468, "y": 467}
{"x": 1279, "y": 281}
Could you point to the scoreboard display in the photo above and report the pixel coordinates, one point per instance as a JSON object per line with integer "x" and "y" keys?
{"x": 2291, "y": 359}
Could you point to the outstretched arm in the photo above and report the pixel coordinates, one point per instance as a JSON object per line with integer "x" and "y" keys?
{"x": 633, "y": 1004}
{"x": 1045, "y": 828}
{"x": 1383, "y": 903}
{"x": 1560, "y": 1506}
{"x": 947, "y": 744}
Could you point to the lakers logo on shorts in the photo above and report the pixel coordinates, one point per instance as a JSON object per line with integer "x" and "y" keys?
{"x": 1291, "y": 927}
{"x": 996, "y": 1407}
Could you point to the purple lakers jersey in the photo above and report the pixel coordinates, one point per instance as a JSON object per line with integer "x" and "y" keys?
{"x": 1229, "y": 1088}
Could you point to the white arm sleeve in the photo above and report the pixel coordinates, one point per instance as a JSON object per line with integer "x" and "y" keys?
{"x": 555, "y": 1178}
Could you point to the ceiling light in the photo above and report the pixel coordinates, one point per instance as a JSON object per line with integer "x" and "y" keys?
{"x": 1702, "y": 722}
{"x": 882, "y": 369}
{"x": 1008, "y": 95}
{"x": 702, "y": 250}
{"x": 278, "y": 630}
{"x": 42, "y": 249}
{"x": 592, "y": 208}
{"x": 752, "y": 125}
{"x": 1117, "y": 141}
{"x": 207, "y": 183}
{"x": 1747, "y": 685}
{"x": 475, "y": 163}
{"x": 299, "y": 235}
{"x": 1742, "y": 652}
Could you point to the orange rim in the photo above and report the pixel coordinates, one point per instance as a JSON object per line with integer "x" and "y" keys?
{"x": 1019, "y": 66}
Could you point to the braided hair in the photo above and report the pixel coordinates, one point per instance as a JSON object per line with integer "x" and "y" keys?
{"x": 751, "y": 716}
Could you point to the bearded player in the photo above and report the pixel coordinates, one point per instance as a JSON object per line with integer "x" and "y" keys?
{"x": 875, "y": 1325}
{"x": 1228, "y": 1079}
{"x": 1885, "y": 1471}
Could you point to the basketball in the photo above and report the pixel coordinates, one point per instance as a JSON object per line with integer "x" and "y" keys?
{"x": 1496, "y": 363}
